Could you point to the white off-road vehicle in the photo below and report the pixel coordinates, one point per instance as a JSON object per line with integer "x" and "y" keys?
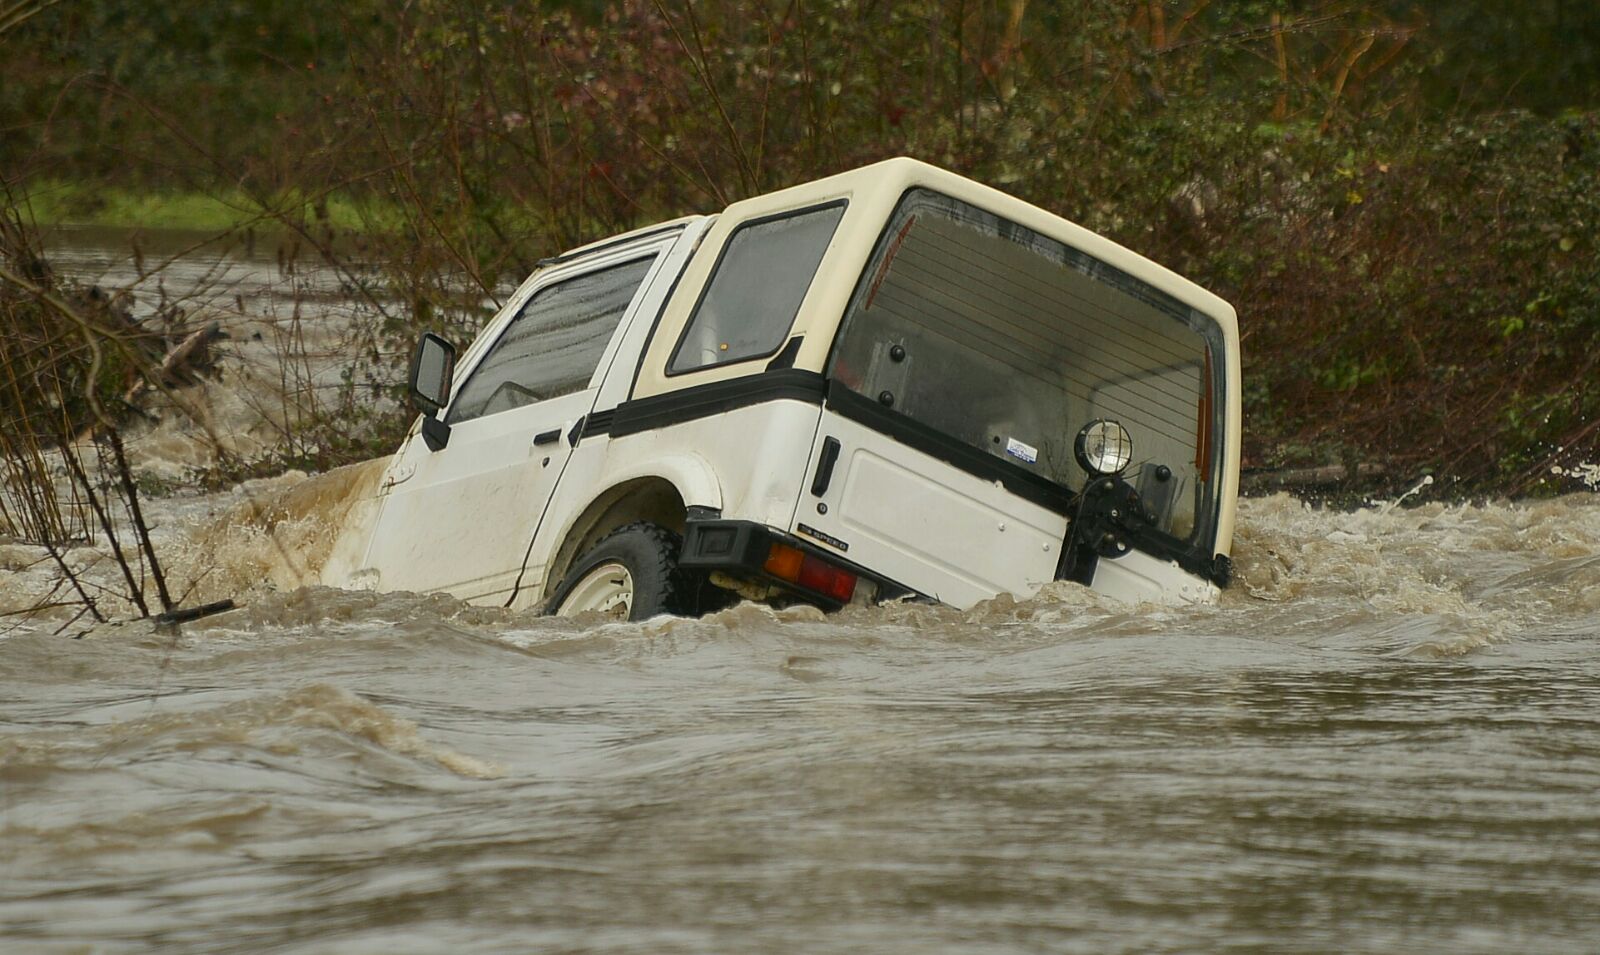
{"x": 891, "y": 382}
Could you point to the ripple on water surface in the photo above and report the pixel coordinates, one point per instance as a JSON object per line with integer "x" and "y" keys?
{"x": 1386, "y": 737}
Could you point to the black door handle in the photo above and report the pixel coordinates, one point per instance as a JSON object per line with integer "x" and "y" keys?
{"x": 547, "y": 437}
{"x": 826, "y": 459}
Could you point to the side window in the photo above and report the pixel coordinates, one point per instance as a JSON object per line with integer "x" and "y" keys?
{"x": 756, "y": 289}
{"x": 553, "y": 345}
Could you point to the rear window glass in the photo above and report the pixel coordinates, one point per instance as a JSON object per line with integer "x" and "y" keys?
{"x": 756, "y": 289}
{"x": 1011, "y": 342}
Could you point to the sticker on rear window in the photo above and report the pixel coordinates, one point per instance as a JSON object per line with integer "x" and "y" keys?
{"x": 1025, "y": 452}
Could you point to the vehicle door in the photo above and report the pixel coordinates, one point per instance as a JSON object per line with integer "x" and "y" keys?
{"x": 936, "y": 457}
{"x": 461, "y": 518}
{"x": 972, "y": 353}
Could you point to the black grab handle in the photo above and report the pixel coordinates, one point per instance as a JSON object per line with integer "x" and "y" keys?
{"x": 825, "y": 462}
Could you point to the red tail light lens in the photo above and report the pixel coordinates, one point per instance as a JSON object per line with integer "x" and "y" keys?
{"x": 821, "y": 576}
{"x": 812, "y": 573}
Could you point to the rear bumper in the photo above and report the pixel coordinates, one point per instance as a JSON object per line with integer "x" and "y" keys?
{"x": 741, "y": 548}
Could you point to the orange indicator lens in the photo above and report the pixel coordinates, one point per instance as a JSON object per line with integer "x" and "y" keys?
{"x": 784, "y": 561}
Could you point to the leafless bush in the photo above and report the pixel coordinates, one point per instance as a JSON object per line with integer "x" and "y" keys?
{"x": 71, "y": 360}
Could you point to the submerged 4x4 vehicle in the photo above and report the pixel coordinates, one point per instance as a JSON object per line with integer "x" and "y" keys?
{"x": 890, "y": 382}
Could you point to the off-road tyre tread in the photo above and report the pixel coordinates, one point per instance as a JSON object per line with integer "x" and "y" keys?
{"x": 650, "y": 553}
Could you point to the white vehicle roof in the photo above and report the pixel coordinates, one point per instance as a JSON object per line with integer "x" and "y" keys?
{"x": 871, "y": 193}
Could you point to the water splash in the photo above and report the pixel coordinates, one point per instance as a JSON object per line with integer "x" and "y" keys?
{"x": 1587, "y": 473}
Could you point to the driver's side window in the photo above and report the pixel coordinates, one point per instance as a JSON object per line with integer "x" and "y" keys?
{"x": 553, "y": 345}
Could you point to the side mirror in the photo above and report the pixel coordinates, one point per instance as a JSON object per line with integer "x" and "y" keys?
{"x": 432, "y": 366}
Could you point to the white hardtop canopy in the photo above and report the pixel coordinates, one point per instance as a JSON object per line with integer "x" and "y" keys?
{"x": 871, "y": 194}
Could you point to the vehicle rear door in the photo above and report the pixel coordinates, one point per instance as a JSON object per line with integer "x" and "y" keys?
{"x": 890, "y": 501}
{"x": 938, "y": 458}
{"x": 973, "y": 352}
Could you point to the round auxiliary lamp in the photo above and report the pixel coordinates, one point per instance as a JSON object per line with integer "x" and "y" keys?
{"x": 1103, "y": 447}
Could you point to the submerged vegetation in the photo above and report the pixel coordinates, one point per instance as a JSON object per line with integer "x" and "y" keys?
{"x": 72, "y": 363}
{"x": 1399, "y": 197}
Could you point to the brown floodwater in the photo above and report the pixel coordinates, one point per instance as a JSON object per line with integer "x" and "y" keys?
{"x": 1386, "y": 737}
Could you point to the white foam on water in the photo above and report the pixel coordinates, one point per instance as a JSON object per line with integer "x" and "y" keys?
{"x": 283, "y": 532}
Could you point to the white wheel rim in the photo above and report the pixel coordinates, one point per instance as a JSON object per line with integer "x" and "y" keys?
{"x": 607, "y": 589}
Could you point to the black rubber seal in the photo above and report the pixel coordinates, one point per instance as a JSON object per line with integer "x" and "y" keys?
{"x": 718, "y": 397}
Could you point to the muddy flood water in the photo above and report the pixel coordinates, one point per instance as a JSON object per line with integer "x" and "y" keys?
{"x": 1385, "y": 738}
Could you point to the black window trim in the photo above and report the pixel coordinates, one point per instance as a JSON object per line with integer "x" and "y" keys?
{"x": 661, "y": 310}
{"x": 694, "y": 311}
{"x": 1028, "y": 485}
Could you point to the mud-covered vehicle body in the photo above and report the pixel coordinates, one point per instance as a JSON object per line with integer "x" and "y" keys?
{"x": 890, "y": 382}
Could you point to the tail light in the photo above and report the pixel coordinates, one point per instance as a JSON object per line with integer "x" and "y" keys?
{"x": 812, "y": 573}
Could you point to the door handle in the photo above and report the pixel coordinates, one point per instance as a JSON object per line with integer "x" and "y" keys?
{"x": 826, "y": 459}
{"x": 547, "y": 437}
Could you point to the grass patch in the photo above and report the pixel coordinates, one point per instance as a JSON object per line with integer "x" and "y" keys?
{"x": 95, "y": 204}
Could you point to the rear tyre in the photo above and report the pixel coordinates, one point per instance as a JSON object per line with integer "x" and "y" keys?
{"x": 631, "y": 574}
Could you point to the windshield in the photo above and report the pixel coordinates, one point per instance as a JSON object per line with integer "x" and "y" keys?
{"x": 1010, "y": 342}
